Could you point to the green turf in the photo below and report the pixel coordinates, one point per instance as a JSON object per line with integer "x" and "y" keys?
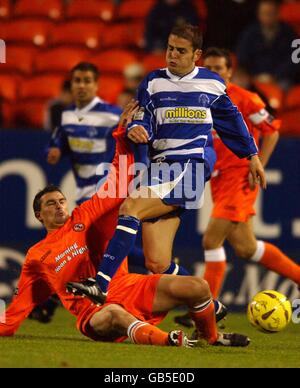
{"x": 60, "y": 345}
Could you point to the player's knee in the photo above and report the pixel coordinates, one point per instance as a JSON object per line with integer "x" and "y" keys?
{"x": 156, "y": 266}
{"x": 129, "y": 208}
{"x": 201, "y": 288}
{"x": 244, "y": 251}
{"x": 101, "y": 322}
{"x": 209, "y": 242}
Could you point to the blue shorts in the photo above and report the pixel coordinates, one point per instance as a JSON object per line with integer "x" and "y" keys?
{"x": 179, "y": 183}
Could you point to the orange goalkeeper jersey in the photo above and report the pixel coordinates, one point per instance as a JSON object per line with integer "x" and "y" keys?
{"x": 71, "y": 253}
{"x": 257, "y": 118}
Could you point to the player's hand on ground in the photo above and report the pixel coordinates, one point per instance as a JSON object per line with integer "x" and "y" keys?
{"x": 54, "y": 155}
{"x": 138, "y": 135}
{"x": 257, "y": 174}
{"x": 130, "y": 110}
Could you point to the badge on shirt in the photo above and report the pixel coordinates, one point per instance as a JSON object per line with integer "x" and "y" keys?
{"x": 139, "y": 116}
{"x": 79, "y": 227}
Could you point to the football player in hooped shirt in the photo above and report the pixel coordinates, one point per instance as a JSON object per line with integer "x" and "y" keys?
{"x": 72, "y": 251}
{"x": 179, "y": 106}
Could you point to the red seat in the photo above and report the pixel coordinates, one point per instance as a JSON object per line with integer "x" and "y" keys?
{"x": 110, "y": 88}
{"x": 123, "y": 35}
{"x": 5, "y": 9}
{"x": 8, "y": 114}
{"x": 113, "y": 61}
{"x": 80, "y": 33}
{"x": 20, "y": 59}
{"x": 293, "y": 98}
{"x": 272, "y": 92}
{"x": 130, "y": 9}
{"x": 290, "y": 123}
{"x": 40, "y": 87}
{"x": 154, "y": 61}
{"x": 27, "y": 31}
{"x": 60, "y": 59}
{"x": 103, "y": 9}
{"x": 201, "y": 8}
{"x": 28, "y": 114}
{"x": 290, "y": 12}
{"x": 52, "y": 9}
{"x": 8, "y": 87}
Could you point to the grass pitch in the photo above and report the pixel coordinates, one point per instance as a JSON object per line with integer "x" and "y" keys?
{"x": 60, "y": 345}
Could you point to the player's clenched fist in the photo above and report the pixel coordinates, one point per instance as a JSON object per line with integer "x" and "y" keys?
{"x": 138, "y": 135}
{"x": 54, "y": 155}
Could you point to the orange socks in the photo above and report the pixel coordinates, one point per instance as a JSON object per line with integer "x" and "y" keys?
{"x": 205, "y": 320}
{"x": 273, "y": 259}
{"x": 145, "y": 334}
{"x": 215, "y": 269}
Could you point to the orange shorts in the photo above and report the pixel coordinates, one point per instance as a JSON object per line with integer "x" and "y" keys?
{"x": 233, "y": 199}
{"x": 135, "y": 293}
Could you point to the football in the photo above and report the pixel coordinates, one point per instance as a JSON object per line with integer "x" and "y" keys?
{"x": 269, "y": 311}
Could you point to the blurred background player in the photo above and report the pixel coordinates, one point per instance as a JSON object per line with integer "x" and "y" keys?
{"x": 56, "y": 107}
{"x": 264, "y": 48}
{"x": 85, "y": 133}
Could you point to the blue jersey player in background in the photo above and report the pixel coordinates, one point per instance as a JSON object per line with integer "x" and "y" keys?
{"x": 85, "y": 133}
{"x": 179, "y": 106}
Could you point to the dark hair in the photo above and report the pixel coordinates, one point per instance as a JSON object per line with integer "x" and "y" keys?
{"x": 66, "y": 85}
{"x": 86, "y": 66}
{"x": 190, "y": 33}
{"x": 37, "y": 199}
{"x": 220, "y": 53}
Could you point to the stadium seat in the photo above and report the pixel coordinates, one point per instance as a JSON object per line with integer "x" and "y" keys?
{"x": 113, "y": 61}
{"x": 78, "y": 33}
{"x": 293, "y": 98}
{"x": 40, "y": 87}
{"x": 290, "y": 123}
{"x": 28, "y": 114}
{"x": 30, "y": 31}
{"x": 272, "y": 92}
{"x": 8, "y": 87}
{"x": 290, "y": 12}
{"x": 5, "y": 9}
{"x": 123, "y": 35}
{"x": 110, "y": 88}
{"x": 8, "y": 114}
{"x": 60, "y": 59}
{"x": 79, "y": 9}
{"x": 154, "y": 61}
{"x": 202, "y": 9}
{"x": 52, "y": 9}
{"x": 129, "y": 9}
{"x": 19, "y": 59}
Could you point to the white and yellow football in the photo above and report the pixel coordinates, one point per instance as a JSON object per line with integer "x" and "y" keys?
{"x": 269, "y": 311}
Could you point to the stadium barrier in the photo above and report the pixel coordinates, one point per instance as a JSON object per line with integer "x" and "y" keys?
{"x": 24, "y": 171}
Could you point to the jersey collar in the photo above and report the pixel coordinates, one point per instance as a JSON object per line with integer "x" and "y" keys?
{"x": 189, "y": 76}
{"x": 89, "y": 107}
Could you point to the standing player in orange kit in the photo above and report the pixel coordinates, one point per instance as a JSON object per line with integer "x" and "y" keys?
{"x": 233, "y": 189}
{"x": 72, "y": 250}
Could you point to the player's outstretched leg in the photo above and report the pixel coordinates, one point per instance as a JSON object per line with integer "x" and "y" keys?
{"x": 173, "y": 291}
{"x": 113, "y": 322}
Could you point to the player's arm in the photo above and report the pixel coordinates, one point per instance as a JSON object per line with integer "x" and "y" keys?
{"x": 32, "y": 291}
{"x": 58, "y": 146}
{"x": 231, "y": 127}
{"x": 140, "y": 130}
